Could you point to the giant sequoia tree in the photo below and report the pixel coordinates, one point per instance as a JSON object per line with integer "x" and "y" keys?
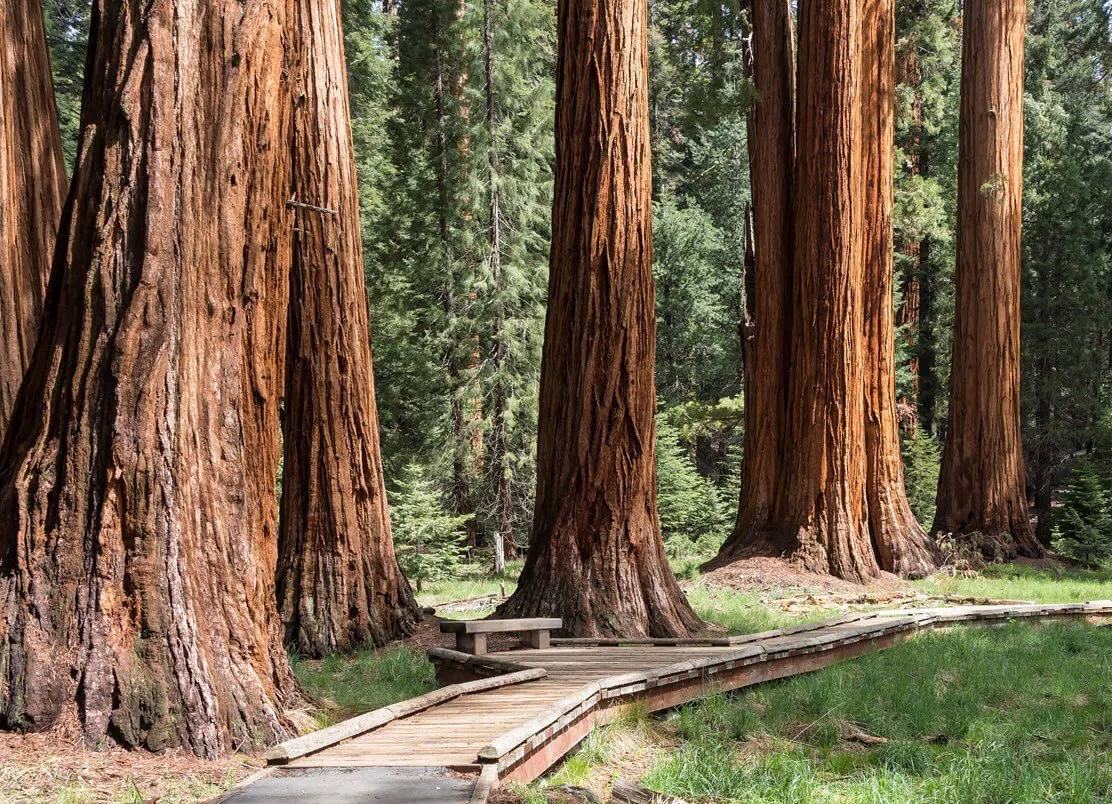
{"x": 771, "y": 160}
{"x": 823, "y": 507}
{"x": 900, "y": 542}
{"x": 981, "y": 489}
{"x": 823, "y": 478}
{"x": 596, "y": 558}
{"x": 32, "y": 186}
{"x": 339, "y": 584}
{"x": 137, "y": 482}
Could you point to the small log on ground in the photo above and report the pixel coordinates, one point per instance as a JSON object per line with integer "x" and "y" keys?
{"x": 632, "y": 794}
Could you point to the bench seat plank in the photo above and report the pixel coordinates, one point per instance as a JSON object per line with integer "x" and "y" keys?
{"x": 500, "y": 626}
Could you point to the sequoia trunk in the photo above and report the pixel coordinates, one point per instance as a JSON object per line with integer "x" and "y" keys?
{"x": 981, "y": 489}
{"x": 771, "y": 158}
{"x": 32, "y": 188}
{"x": 137, "y": 481}
{"x": 901, "y": 544}
{"x": 596, "y": 558}
{"x": 824, "y": 510}
{"x": 339, "y": 583}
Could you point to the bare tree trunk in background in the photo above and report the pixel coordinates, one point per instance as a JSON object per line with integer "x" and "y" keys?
{"x": 901, "y": 544}
{"x": 32, "y": 188}
{"x": 596, "y": 557}
{"x": 766, "y": 345}
{"x": 499, "y": 457}
{"x": 981, "y": 488}
{"x": 137, "y": 483}
{"x": 338, "y": 582}
{"x": 824, "y": 512}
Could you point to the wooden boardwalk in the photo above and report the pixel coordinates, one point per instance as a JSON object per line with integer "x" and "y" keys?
{"x": 512, "y": 715}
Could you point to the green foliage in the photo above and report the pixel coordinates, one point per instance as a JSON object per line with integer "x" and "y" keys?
{"x": 692, "y": 514}
{"x": 1083, "y": 532}
{"x": 696, "y": 301}
{"x": 922, "y": 457}
{"x": 1067, "y": 236}
{"x": 428, "y": 538}
{"x": 67, "y": 33}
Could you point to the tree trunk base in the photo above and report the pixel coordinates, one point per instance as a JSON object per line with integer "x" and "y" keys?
{"x": 632, "y": 596}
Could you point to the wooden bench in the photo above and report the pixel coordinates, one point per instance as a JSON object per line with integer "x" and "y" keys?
{"x": 471, "y": 635}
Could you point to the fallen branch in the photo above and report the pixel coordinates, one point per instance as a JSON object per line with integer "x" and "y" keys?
{"x": 632, "y": 794}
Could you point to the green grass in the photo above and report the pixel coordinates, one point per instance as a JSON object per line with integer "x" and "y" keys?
{"x": 1018, "y": 714}
{"x": 471, "y": 582}
{"x": 1021, "y": 582}
{"x": 349, "y": 685}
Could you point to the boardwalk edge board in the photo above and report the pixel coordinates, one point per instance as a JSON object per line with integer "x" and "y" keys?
{"x": 353, "y": 727}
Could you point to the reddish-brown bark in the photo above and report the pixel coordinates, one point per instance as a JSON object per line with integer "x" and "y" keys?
{"x": 901, "y": 544}
{"x": 32, "y": 187}
{"x": 981, "y": 489}
{"x": 137, "y": 481}
{"x": 596, "y": 558}
{"x": 771, "y": 159}
{"x": 339, "y": 584}
{"x": 824, "y": 516}
{"x": 909, "y": 73}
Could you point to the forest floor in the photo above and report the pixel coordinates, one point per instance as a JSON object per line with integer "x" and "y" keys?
{"x": 799, "y": 740}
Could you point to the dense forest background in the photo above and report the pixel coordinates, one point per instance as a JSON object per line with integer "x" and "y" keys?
{"x": 452, "y": 109}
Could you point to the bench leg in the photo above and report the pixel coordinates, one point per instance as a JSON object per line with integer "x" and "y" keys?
{"x": 475, "y": 644}
{"x": 538, "y": 640}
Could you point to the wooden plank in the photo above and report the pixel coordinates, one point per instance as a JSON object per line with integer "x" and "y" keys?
{"x": 300, "y": 746}
{"x": 507, "y": 742}
{"x": 500, "y": 626}
{"x": 488, "y": 780}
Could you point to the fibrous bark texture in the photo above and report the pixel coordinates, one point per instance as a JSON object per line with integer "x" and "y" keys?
{"x": 981, "y": 489}
{"x": 32, "y": 188}
{"x": 825, "y": 523}
{"x": 137, "y": 482}
{"x": 901, "y": 544}
{"x": 771, "y": 158}
{"x": 596, "y": 557}
{"x": 339, "y": 583}
{"x": 909, "y": 73}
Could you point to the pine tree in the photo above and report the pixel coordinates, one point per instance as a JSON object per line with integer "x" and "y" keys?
{"x": 1067, "y": 270}
{"x": 512, "y": 153}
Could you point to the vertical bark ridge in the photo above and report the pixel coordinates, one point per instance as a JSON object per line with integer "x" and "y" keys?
{"x": 901, "y": 544}
{"x": 339, "y": 584}
{"x": 137, "y": 574}
{"x": 32, "y": 188}
{"x": 823, "y": 496}
{"x": 766, "y": 344}
{"x": 596, "y": 557}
